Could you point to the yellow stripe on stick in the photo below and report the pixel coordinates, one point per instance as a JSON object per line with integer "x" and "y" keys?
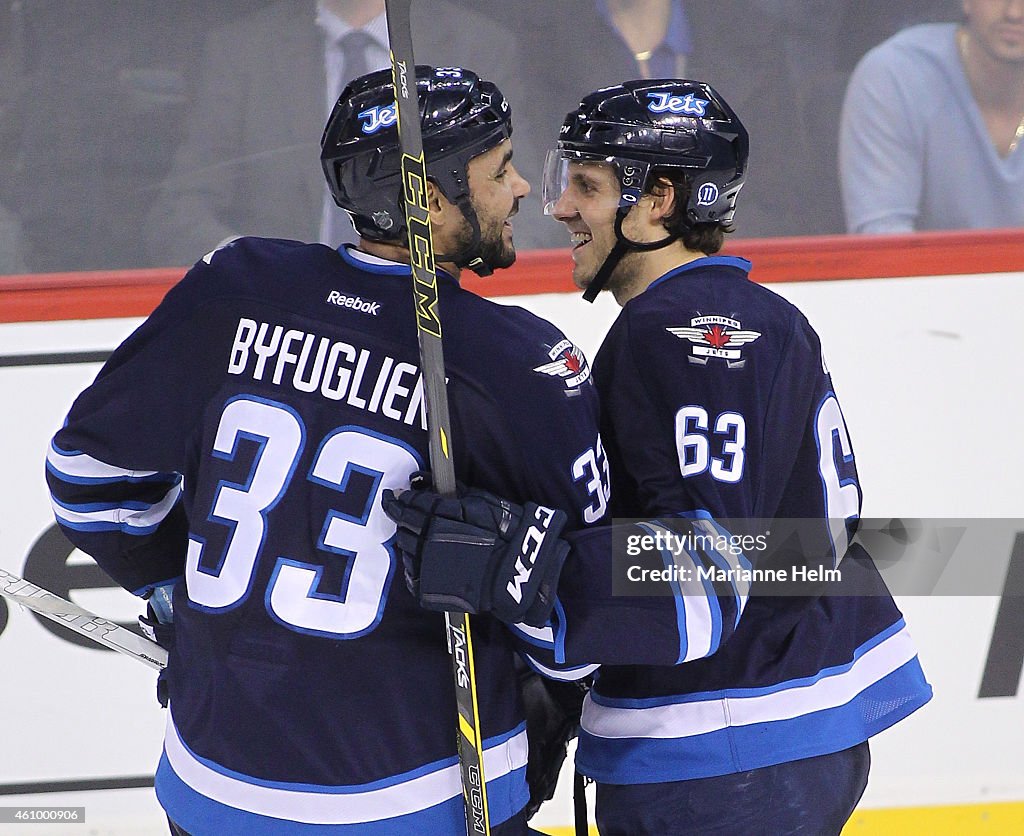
{"x": 467, "y": 730}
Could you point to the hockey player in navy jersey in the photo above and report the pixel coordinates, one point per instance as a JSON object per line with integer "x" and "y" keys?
{"x": 717, "y": 709}
{"x": 228, "y": 463}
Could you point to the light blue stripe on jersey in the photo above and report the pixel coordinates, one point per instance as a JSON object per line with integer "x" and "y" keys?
{"x": 128, "y": 517}
{"x": 698, "y": 612}
{"x": 205, "y": 798}
{"x": 373, "y": 264}
{"x": 704, "y": 523}
{"x": 701, "y": 735}
{"x": 550, "y": 637}
{"x": 706, "y": 261}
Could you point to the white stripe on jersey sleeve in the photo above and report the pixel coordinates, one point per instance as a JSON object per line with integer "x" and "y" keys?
{"x": 129, "y": 520}
{"x": 561, "y": 674}
{"x": 543, "y": 636}
{"x": 83, "y": 466}
{"x": 699, "y": 609}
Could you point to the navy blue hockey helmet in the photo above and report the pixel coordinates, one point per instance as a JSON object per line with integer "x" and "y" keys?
{"x": 657, "y": 123}
{"x": 642, "y": 127}
{"x": 461, "y": 116}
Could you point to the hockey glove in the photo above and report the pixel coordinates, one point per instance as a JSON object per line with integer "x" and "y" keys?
{"x": 158, "y": 622}
{"x": 479, "y": 553}
{"x": 158, "y": 625}
{"x": 553, "y": 712}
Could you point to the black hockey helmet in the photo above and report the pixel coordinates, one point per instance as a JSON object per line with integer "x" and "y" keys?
{"x": 649, "y": 124}
{"x": 461, "y": 116}
{"x": 663, "y": 123}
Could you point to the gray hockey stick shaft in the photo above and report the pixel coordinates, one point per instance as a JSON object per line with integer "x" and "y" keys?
{"x": 428, "y": 327}
{"x": 100, "y": 630}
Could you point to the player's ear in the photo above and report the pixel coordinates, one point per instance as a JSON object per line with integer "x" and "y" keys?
{"x": 663, "y": 199}
{"x": 437, "y": 204}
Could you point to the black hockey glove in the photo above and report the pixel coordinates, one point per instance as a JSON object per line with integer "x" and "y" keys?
{"x": 479, "y": 553}
{"x": 553, "y": 712}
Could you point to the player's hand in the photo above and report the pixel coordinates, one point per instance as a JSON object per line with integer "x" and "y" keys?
{"x": 158, "y": 624}
{"x": 553, "y": 712}
{"x": 479, "y": 553}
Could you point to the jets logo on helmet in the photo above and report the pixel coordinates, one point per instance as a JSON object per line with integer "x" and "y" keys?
{"x": 379, "y": 117}
{"x": 635, "y": 127}
{"x": 688, "y": 105}
{"x": 461, "y": 117}
{"x": 567, "y": 362}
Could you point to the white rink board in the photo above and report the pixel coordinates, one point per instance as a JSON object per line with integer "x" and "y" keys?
{"x": 927, "y": 370}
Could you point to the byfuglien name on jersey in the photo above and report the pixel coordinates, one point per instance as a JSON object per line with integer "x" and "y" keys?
{"x": 338, "y": 371}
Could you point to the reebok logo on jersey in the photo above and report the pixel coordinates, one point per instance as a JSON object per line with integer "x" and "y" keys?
{"x": 354, "y": 302}
{"x": 531, "y": 544}
{"x": 716, "y": 337}
{"x": 568, "y": 363}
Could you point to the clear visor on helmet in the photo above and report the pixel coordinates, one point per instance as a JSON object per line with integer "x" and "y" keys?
{"x": 558, "y": 165}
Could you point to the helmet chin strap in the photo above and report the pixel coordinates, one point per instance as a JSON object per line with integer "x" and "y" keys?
{"x": 474, "y": 261}
{"x": 622, "y": 246}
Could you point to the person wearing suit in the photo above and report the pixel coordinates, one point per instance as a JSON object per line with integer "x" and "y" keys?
{"x": 575, "y": 46}
{"x": 249, "y": 164}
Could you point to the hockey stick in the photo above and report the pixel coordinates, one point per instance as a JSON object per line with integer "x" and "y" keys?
{"x": 90, "y": 625}
{"x": 428, "y": 328}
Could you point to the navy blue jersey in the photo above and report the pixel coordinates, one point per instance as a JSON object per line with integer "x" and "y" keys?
{"x": 241, "y": 439}
{"x": 718, "y": 406}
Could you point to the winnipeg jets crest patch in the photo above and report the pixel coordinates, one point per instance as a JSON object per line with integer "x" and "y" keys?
{"x": 718, "y": 337}
{"x": 568, "y": 363}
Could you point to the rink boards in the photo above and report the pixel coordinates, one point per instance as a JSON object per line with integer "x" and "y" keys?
{"x": 927, "y": 369}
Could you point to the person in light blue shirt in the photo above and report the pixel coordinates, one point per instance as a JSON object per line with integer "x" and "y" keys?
{"x": 932, "y": 123}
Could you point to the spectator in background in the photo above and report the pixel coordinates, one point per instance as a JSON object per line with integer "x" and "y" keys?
{"x": 824, "y": 40}
{"x": 863, "y": 24}
{"x": 932, "y": 126}
{"x": 249, "y": 164}
{"x": 737, "y": 45}
{"x": 103, "y": 101}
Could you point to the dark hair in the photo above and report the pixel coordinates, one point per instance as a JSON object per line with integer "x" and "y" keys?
{"x": 707, "y": 238}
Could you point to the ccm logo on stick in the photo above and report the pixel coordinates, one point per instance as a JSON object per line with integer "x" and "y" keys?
{"x": 528, "y": 552}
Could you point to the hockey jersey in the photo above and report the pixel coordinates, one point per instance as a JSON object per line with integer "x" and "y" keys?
{"x": 241, "y": 439}
{"x": 718, "y": 406}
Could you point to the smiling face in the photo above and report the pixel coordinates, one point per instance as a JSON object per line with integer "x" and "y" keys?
{"x": 587, "y": 207}
{"x": 495, "y": 189}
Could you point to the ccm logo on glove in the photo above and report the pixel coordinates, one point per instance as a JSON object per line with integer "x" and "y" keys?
{"x": 479, "y": 553}
{"x": 533, "y": 541}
